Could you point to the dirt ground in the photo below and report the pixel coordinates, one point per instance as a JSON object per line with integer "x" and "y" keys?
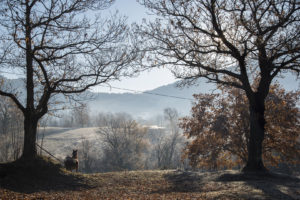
{"x": 160, "y": 184}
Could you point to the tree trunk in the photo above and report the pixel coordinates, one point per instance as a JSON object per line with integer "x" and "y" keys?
{"x": 30, "y": 130}
{"x": 257, "y": 132}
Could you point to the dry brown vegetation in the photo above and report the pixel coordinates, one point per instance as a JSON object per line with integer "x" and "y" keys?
{"x": 218, "y": 129}
{"x": 50, "y": 181}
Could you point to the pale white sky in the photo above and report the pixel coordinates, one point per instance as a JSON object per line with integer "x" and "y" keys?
{"x": 146, "y": 80}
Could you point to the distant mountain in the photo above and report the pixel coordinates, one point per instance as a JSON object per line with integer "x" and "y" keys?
{"x": 151, "y": 102}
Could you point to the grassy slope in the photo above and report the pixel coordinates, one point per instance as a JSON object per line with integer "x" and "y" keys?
{"x": 61, "y": 141}
{"x": 46, "y": 180}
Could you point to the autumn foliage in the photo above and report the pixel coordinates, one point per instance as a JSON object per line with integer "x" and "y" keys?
{"x": 218, "y": 129}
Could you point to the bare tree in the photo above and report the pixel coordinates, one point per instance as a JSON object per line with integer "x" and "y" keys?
{"x": 81, "y": 115}
{"x": 86, "y": 158}
{"x": 102, "y": 119}
{"x": 61, "y": 49}
{"x": 168, "y": 145}
{"x": 230, "y": 42}
{"x": 11, "y": 130}
{"x": 171, "y": 116}
{"x": 164, "y": 151}
{"x": 66, "y": 120}
{"x": 124, "y": 143}
{"x": 4, "y": 115}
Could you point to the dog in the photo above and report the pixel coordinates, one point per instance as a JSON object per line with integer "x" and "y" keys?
{"x": 72, "y": 162}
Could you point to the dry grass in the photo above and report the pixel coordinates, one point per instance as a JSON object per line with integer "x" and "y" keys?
{"x": 49, "y": 181}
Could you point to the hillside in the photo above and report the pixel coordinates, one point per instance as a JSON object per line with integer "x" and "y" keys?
{"x": 151, "y": 103}
{"x": 61, "y": 141}
{"x": 148, "y": 105}
{"x": 167, "y": 184}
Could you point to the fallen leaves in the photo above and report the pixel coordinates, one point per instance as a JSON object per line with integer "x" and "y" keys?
{"x": 171, "y": 185}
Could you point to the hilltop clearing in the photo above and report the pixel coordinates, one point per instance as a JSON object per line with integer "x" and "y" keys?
{"x": 49, "y": 181}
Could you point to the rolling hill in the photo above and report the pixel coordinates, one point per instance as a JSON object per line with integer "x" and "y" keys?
{"x": 153, "y": 102}
{"x": 150, "y": 103}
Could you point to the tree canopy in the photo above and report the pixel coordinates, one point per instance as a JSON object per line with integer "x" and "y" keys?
{"x": 60, "y": 47}
{"x": 230, "y": 42}
{"x": 218, "y": 129}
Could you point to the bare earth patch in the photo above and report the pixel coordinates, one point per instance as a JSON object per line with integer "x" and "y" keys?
{"x": 168, "y": 184}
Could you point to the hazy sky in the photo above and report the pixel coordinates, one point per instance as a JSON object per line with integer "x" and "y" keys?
{"x": 146, "y": 80}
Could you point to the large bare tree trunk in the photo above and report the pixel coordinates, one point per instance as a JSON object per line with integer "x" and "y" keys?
{"x": 30, "y": 130}
{"x": 257, "y": 132}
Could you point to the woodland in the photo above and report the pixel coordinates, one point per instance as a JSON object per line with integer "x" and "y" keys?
{"x": 246, "y": 132}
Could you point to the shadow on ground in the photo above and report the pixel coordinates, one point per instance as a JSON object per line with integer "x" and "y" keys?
{"x": 181, "y": 181}
{"x": 40, "y": 175}
{"x": 233, "y": 185}
{"x": 271, "y": 184}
